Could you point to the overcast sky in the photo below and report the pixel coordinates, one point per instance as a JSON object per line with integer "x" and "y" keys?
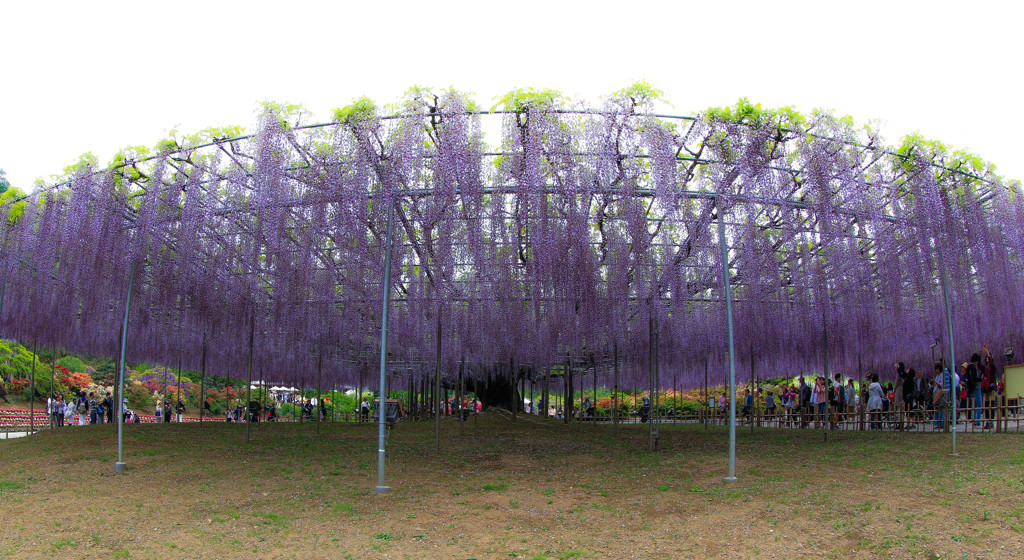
{"x": 98, "y": 76}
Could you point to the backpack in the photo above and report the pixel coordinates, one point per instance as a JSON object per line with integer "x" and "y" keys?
{"x": 837, "y": 396}
{"x": 986, "y": 382}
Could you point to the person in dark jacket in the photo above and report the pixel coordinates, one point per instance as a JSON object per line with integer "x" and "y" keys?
{"x": 805, "y": 403}
{"x": 108, "y": 407}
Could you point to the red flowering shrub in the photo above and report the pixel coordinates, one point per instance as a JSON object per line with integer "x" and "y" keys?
{"x": 76, "y": 380}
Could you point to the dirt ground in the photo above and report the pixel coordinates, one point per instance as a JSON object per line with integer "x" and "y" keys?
{"x": 531, "y": 489}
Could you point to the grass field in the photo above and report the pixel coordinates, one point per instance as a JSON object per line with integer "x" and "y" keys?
{"x": 534, "y": 489}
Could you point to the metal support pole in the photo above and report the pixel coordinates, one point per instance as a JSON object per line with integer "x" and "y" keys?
{"x": 319, "y": 405}
{"x": 437, "y": 387}
{"x": 753, "y": 394}
{"x": 385, "y": 311}
{"x": 651, "y": 437}
{"x": 860, "y": 389}
{"x": 707, "y": 394}
{"x": 547, "y": 390}
{"x": 952, "y": 360}
{"x": 120, "y": 465}
{"x": 567, "y": 397}
{"x": 656, "y": 401}
{"x": 202, "y": 381}
{"x": 462, "y": 395}
{"x": 827, "y": 421}
{"x": 248, "y": 385}
{"x": 512, "y": 382}
{"x": 726, "y": 287}
{"x": 3, "y": 288}
{"x": 177, "y": 396}
{"x": 615, "y": 386}
{"x": 52, "y": 397}
{"x": 32, "y": 393}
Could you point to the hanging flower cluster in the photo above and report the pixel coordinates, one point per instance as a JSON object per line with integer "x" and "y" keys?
{"x": 574, "y": 234}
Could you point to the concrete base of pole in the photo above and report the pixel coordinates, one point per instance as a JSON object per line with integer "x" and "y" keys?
{"x": 731, "y": 479}
{"x": 119, "y": 466}
{"x": 381, "y": 489}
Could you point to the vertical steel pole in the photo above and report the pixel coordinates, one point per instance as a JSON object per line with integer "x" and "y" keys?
{"x": 3, "y": 288}
{"x": 547, "y": 390}
{"x": 248, "y": 385}
{"x": 657, "y": 383}
{"x": 177, "y": 396}
{"x": 650, "y": 379}
{"x": 52, "y": 397}
{"x": 827, "y": 421}
{"x": 707, "y": 394}
{"x": 319, "y": 369}
{"x": 861, "y": 406}
{"x": 202, "y": 381}
{"x": 385, "y": 311}
{"x": 753, "y": 395}
{"x": 567, "y": 397}
{"x": 615, "y": 385}
{"x": 437, "y": 386}
{"x": 32, "y": 393}
{"x": 953, "y": 391}
{"x": 462, "y": 395}
{"x": 120, "y": 465}
{"x": 732, "y": 347}
{"x": 512, "y": 381}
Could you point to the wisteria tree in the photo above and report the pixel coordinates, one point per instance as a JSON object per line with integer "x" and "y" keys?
{"x": 577, "y": 234}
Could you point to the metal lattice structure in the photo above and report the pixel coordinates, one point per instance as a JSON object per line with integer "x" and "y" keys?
{"x": 580, "y": 229}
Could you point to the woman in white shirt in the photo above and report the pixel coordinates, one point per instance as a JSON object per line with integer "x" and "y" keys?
{"x": 875, "y": 396}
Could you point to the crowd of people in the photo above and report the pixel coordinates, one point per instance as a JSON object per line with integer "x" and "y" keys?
{"x": 86, "y": 409}
{"x": 911, "y": 398}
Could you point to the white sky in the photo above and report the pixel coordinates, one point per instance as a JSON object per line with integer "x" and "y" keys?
{"x": 97, "y": 76}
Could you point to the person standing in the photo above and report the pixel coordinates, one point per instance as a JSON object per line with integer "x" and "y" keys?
{"x": 875, "y": 396}
{"x": 180, "y": 411}
{"x": 851, "y": 399}
{"x": 806, "y": 406}
{"x": 769, "y": 407}
{"x": 974, "y": 380}
{"x": 897, "y": 399}
{"x": 93, "y": 408}
{"x": 69, "y": 412}
{"x": 910, "y": 396}
{"x": 988, "y": 386}
{"x": 790, "y": 405}
{"x": 946, "y": 383}
{"x": 108, "y": 407}
{"x": 167, "y": 412}
{"x": 55, "y": 407}
{"x": 837, "y": 402}
{"x": 820, "y": 399}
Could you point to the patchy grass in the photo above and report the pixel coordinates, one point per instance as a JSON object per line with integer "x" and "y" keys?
{"x": 536, "y": 489}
